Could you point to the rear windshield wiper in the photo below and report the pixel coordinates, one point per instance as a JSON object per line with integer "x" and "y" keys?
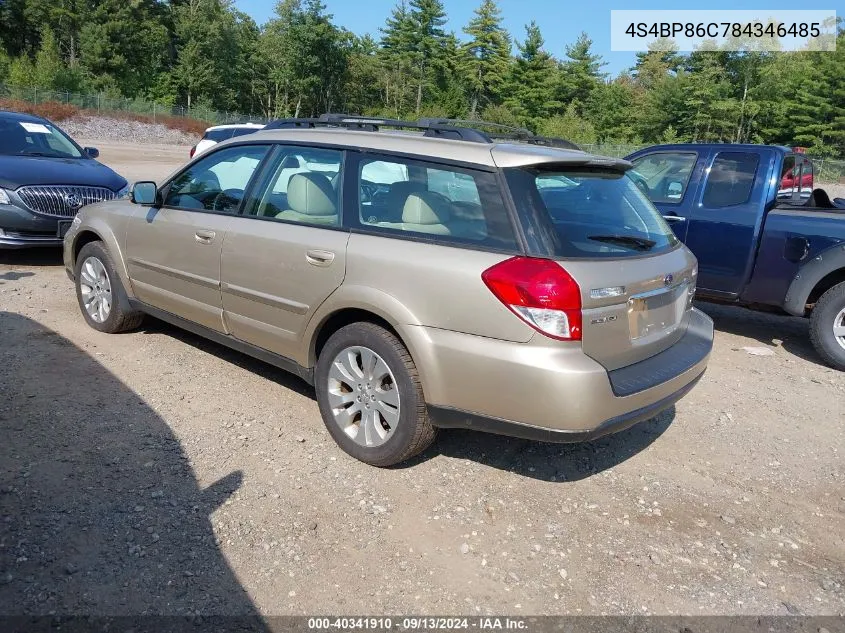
{"x": 639, "y": 243}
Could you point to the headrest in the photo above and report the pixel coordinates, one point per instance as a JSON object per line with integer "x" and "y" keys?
{"x": 311, "y": 194}
{"x": 426, "y": 207}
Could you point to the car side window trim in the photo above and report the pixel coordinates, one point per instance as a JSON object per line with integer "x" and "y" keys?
{"x": 686, "y": 185}
{"x": 164, "y": 189}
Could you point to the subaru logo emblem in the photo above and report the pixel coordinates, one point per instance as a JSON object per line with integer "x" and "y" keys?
{"x": 73, "y": 201}
{"x": 668, "y": 279}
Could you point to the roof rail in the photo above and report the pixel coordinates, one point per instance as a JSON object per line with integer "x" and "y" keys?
{"x": 509, "y": 132}
{"x": 458, "y": 129}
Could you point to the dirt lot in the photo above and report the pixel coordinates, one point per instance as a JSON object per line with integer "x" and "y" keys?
{"x": 156, "y": 472}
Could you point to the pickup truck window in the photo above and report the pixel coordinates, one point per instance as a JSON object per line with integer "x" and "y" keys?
{"x": 730, "y": 179}
{"x": 664, "y": 176}
{"x": 796, "y": 178}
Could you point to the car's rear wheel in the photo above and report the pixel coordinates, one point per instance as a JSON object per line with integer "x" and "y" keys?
{"x": 827, "y": 326}
{"x": 370, "y": 396}
{"x": 100, "y": 292}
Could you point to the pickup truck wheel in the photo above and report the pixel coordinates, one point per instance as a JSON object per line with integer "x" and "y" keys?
{"x": 827, "y": 327}
{"x": 100, "y": 293}
{"x": 370, "y": 396}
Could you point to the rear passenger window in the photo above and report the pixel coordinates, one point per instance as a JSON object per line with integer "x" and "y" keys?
{"x": 730, "y": 180}
{"x": 301, "y": 186}
{"x": 664, "y": 176}
{"x": 218, "y": 135}
{"x": 447, "y": 203}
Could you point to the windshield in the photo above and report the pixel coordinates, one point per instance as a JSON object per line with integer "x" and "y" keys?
{"x": 592, "y": 213}
{"x": 28, "y": 138}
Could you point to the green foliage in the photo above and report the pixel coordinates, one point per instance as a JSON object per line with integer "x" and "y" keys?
{"x": 487, "y": 56}
{"x": 531, "y": 88}
{"x": 208, "y": 55}
{"x": 569, "y": 125}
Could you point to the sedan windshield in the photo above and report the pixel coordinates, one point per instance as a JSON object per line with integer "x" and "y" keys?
{"x": 35, "y": 138}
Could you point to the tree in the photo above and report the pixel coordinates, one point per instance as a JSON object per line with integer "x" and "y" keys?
{"x": 530, "y": 87}
{"x": 569, "y": 125}
{"x": 124, "y": 45}
{"x": 428, "y": 38}
{"x": 488, "y": 56}
{"x": 580, "y": 73}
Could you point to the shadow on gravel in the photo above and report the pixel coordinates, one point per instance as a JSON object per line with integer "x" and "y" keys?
{"x": 13, "y": 275}
{"x": 31, "y": 257}
{"x": 239, "y": 359}
{"x": 538, "y": 460}
{"x": 544, "y": 461}
{"x": 765, "y": 328}
{"x": 100, "y": 512}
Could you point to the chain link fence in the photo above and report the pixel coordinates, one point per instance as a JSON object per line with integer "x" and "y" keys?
{"x": 102, "y": 103}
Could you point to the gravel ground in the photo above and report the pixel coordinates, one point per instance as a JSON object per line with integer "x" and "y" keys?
{"x": 108, "y": 129}
{"x": 155, "y": 472}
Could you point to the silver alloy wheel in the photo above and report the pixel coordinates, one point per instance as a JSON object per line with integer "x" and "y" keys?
{"x": 839, "y": 328}
{"x": 95, "y": 288}
{"x": 363, "y": 396}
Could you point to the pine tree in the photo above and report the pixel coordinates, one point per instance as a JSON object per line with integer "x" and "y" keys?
{"x": 427, "y": 18}
{"x": 530, "y": 87}
{"x": 581, "y": 72}
{"x": 488, "y": 56}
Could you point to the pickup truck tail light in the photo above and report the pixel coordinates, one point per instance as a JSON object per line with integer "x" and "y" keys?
{"x": 541, "y": 293}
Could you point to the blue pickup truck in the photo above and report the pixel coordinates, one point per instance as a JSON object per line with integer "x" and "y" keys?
{"x": 764, "y": 237}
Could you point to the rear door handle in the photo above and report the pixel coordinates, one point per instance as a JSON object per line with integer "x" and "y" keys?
{"x": 674, "y": 218}
{"x": 204, "y": 237}
{"x": 319, "y": 258}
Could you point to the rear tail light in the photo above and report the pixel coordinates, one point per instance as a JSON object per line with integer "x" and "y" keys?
{"x": 193, "y": 149}
{"x": 541, "y": 293}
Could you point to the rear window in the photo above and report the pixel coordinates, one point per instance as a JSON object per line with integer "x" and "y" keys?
{"x": 218, "y": 135}
{"x": 592, "y": 213}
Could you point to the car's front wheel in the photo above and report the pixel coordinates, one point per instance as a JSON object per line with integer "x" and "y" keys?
{"x": 100, "y": 293}
{"x": 827, "y": 326}
{"x": 370, "y": 396}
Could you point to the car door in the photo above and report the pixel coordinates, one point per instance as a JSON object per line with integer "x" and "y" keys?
{"x": 726, "y": 219}
{"x": 665, "y": 177}
{"x": 173, "y": 249}
{"x": 286, "y": 252}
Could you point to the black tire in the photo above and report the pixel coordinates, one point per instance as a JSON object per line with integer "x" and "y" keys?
{"x": 414, "y": 432}
{"x": 120, "y": 319}
{"x": 828, "y": 308}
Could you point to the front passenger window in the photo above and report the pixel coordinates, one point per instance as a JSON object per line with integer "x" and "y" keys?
{"x": 218, "y": 181}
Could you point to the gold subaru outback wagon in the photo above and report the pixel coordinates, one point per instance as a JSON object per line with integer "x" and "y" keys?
{"x": 419, "y": 275}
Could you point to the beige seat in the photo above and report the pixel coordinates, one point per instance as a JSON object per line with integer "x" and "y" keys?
{"x": 426, "y": 212}
{"x": 311, "y": 200}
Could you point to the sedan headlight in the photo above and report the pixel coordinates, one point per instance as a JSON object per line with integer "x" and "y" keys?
{"x": 123, "y": 192}
{"x": 4, "y": 197}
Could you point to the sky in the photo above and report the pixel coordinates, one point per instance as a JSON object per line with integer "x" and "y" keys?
{"x": 561, "y": 21}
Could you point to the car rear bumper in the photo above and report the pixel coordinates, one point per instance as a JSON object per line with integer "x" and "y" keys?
{"x": 551, "y": 391}
{"x": 444, "y": 417}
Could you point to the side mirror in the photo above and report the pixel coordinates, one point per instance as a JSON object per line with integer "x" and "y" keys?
{"x": 91, "y": 152}
{"x": 144, "y": 192}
